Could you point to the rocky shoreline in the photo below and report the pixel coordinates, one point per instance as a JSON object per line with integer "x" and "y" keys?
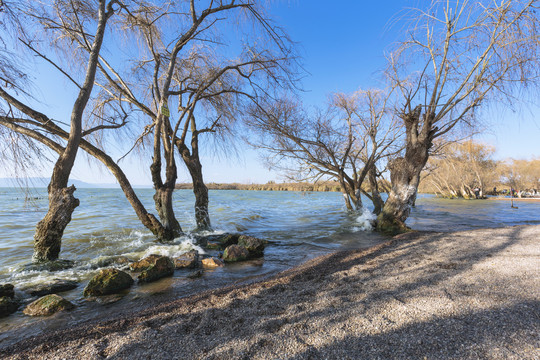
{"x": 111, "y": 282}
{"x": 468, "y": 295}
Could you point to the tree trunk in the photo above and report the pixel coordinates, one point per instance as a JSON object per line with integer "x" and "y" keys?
{"x": 193, "y": 163}
{"x": 49, "y": 231}
{"x": 163, "y": 199}
{"x": 376, "y": 198}
{"x": 62, "y": 203}
{"x": 164, "y": 190}
{"x": 164, "y": 207}
{"x": 405, "y": 175}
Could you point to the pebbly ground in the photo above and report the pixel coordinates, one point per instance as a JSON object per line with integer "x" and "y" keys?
{"x": 464, "y": 295}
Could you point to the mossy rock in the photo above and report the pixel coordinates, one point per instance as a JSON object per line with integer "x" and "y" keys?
{"x": 254, "y": 245}
{"x": 161, "y": 268}
{"x": 108, "y": 281}
{"x": 48, "y": 305}
{"x": 188, "y": 260}
{"x": 144, "y": 263}
{"x": 8, "y": 306}
{"x": 7, "y": 290}
{"x": 234, "y": 253}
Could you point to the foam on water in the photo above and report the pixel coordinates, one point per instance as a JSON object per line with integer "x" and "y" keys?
{"x": 178, "y": 247}
{"x": 365, "y": 220}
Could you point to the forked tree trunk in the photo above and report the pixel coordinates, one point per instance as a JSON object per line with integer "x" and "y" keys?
{"x": 405, "y": 174}
{"x": 164, "y": 190}
{"x": 62, "y": 203}
{"x": 163, "y": 200}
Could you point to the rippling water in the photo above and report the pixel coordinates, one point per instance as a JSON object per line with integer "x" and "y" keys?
{"x": 298, "y": 225}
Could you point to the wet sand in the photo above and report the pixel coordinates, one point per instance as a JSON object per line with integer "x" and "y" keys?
{"x": 464, "y": 295}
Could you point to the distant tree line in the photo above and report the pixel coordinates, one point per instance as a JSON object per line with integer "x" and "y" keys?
{"x": 271, "y": 186}
{"x": 468, "y": 170}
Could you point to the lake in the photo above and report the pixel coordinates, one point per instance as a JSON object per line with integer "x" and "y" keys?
{"x": 298, "y": 225}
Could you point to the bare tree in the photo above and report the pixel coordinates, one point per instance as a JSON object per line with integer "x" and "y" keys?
{"x": 344, "y": 142}
{"x": 458, "y": 56}
{"x": 31, "y": 126}
{"x": 460, "y": 168}
{"x": 65, "y": 20}
{"x": 169, "y": 82}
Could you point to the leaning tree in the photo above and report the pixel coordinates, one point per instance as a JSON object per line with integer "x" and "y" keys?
{"x": 54, "y": 27}
{"x": 458, "y": 55}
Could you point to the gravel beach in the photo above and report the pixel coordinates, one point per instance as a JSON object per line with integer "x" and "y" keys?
{"x": 464, "y": 295}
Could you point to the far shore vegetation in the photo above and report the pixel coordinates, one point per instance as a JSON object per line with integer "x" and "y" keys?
{"x": 455, "y": 172}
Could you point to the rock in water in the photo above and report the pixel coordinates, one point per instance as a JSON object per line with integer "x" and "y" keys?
{"x": 54, "y": 265}
{"x": 228, "y": 239}
{"x": 57, "y": 286}
{"x": 218, "y": 242}
{"x": 8, "y": 306}
{"x": 254, "y": 245}
{"x": 144, "y": 263}
{"x": 162, "y": 267}
{"x": 48, "y": 305}
{"x": 108, "y": 281}
{"x": 7, "y": 290}
{"x": 211, "y": 262}
{"x": 234, "y": 253}
{"x": 188, "y": 260}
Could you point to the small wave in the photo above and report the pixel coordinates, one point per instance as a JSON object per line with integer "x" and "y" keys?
{"x": 365, "y": 221}
{"x": 178, "y": 247}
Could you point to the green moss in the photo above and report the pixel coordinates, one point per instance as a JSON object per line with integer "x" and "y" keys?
{"x": 108, "y": 281}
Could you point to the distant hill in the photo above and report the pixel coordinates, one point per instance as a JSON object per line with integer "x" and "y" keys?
{"x": 40, "y": 182}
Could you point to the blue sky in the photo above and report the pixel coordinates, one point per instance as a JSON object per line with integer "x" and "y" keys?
{"x": 342, "y": 44}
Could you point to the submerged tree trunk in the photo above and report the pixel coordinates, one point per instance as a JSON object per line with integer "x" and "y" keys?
{"x": 193, "y": 163}
{"x": 49, "y": 231}
{"x": 376, "y": 198}
{"x": 163, "y": 200}
{"x": 62, "y": 203}
{"x": 405, "y": 174}
{"x": 164, "y": 190}
{"x": 164, "y": 207}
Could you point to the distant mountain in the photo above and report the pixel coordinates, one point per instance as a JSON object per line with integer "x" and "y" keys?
{"x": 43, "y": 182}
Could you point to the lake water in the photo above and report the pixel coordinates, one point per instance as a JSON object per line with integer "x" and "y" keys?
{"x": 298, "y": 225}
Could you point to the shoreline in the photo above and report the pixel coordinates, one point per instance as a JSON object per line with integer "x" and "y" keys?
{"x": 515, "y": 199}
{"x": 438, "y": 295}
